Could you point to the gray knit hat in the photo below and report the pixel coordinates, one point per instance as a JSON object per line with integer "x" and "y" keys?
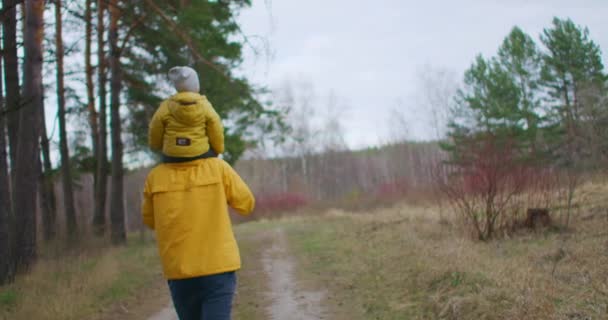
{"x": 184, "y": 79}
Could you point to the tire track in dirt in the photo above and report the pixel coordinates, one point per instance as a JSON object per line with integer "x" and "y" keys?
{"x": 288, "y": 300}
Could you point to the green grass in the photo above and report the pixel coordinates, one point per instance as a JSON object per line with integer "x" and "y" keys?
{"x": 8, "y": 298}
{"x": 354, "y": 267}
{"x": 139, "y": 265}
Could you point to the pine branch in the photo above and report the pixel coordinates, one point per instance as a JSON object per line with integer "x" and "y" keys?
{"x": 186, "y": 38}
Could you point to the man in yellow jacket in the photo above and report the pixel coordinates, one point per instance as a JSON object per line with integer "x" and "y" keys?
{"x": 186, "y": 204}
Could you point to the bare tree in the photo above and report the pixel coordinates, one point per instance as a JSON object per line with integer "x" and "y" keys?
{"x": 398, "y": 123}
{"x": 484, "y": 183}
{"x": 437, "y": 88}
{"x": 298, "y": 99}
{"x": 333, "y": 127}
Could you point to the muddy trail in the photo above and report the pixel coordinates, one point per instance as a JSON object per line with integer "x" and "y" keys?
{"x": 288, "y": 301}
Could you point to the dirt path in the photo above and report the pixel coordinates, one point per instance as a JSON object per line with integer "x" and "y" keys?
{"x": 167, "y": 313}
{"x": 288, "y": 301}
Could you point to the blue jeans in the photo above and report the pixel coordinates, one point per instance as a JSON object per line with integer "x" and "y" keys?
{"x": 204, "y": 298}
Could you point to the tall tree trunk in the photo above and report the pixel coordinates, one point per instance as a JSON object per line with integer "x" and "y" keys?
{"x": 48, "y": 203}
{"x": 11, "y": 76}
{"x": 11, "y": 73}
{"x": 47, "y": 198}
{"x": 5, "y": 200}
{"x": 89, "y": 79}
{"x": 46, "y": 190}
{"x": 48, "y": 220}
{"x": 90, "y": 87}
{"x": 29, "y": 131}
{"x": 117, "y": 207}
{"x": 66, "y": 173}
{"x": 101, "y": 160}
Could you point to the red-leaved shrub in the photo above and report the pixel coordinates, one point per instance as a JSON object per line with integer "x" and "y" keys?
{"x": 285, "y": 201}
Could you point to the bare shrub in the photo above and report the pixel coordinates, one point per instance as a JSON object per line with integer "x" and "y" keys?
{"x": 483, "y": 188}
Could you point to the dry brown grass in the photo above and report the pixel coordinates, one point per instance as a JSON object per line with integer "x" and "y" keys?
{"x": 400, "y": 262}
{"x": 80, "y": 286}
{"x": 407, "y": 262}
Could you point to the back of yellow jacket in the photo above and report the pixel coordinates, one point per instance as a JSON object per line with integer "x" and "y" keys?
{"x": 186, "y": 205}
{"x": 185, "y": 125}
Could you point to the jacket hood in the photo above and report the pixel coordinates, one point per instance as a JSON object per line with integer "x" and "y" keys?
{"x": 188, "y": 107}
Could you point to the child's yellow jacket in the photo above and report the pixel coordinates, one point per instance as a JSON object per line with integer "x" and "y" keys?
{"x": 185, "y": 125}
{"x": 186, "y": 204}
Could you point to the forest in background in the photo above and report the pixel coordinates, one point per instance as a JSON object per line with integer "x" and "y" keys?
{"x": 529, "y": 121}
{"x": 98, "y": 68}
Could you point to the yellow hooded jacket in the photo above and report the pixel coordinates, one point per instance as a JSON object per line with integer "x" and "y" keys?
{"x": 186, "y": 204}
{"x": 185, "y": 125}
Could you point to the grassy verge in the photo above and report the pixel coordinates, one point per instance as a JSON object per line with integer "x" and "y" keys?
{"x": 401, "y": 263}
{"x": 81, "y": 286}
{"x": 396, "y": 263}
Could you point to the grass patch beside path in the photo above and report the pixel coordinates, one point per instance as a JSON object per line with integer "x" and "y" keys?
{"x": 81, "y": 286}
{"x": 401, "y": 263}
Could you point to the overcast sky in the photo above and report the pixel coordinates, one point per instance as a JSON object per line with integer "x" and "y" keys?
{"x": 369, "y": 52}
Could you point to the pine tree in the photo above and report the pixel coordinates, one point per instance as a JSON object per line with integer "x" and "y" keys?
{"x": 66, "y": 171}
{"x": 10, "y": 117}
{"x": 27, "y": 156}
{"x": 117, "y": 206}
{"x": 571, "y": 67}
{"x": 101, "y": 158}
{"x": 204, "y": 35}
{"x": 5, "y": 197}
{"x": 11, "y": 73}
{"x": 573, "y": 62}
{"x": 487, "y": 105}
{"x": 520, "y": 57}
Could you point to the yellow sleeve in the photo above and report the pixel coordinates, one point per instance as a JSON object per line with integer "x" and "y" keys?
{"x": 238, "y": 194}
{"x": 156, "y": 129}
{"x": 215, "y": 130}
{"x": 147, "y": 208}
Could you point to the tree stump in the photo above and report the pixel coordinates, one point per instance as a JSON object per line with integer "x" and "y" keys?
{"x": 537, "y": 218}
